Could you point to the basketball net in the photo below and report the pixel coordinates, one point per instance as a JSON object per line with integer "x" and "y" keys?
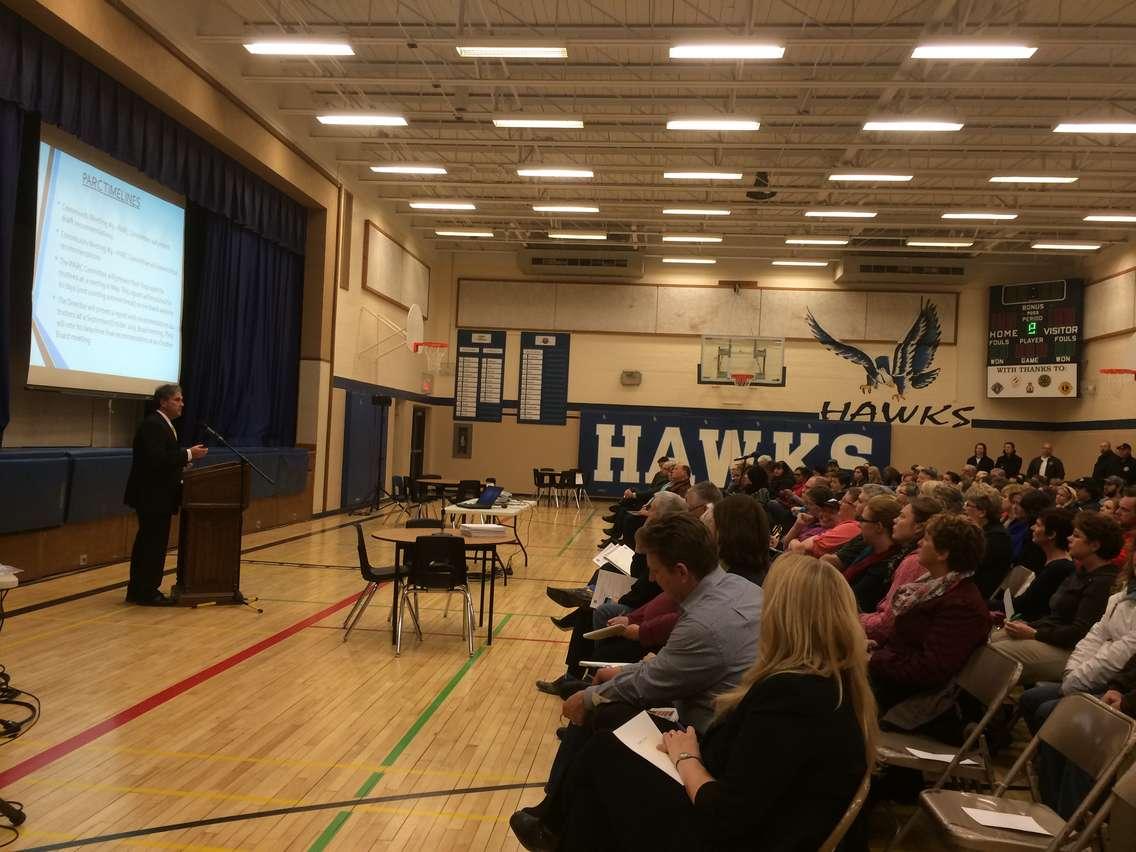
{"x": 1118, "y": 380}
{"x": 435, "y": 352}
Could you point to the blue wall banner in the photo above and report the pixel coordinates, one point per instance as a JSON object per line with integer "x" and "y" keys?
{"x": 480, "y": 375}
{"x": 618, "y": 449}
{"x": 542, "y": 392}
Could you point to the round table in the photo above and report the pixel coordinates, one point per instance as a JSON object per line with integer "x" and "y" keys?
{"x": 404, "y": 538}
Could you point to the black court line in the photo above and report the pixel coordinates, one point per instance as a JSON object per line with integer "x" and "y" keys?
{"x": 346, "y": 804}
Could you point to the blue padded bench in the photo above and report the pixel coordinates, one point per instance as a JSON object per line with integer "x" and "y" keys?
{"x": 98, "y": 482}
{"x": 33, "y": 489}
{"x": 293, "y": 471}
{"x": 266, "y": 458}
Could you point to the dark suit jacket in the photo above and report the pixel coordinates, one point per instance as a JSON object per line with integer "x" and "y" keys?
{"x": 985, "y": 463}
{"x": 154, "y": 484}
{"x": 1054, "y": 470}
{"x": 1011, "y": 464}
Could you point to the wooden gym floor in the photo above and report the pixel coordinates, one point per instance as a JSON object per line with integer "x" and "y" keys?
{"x": 220, "y": 729}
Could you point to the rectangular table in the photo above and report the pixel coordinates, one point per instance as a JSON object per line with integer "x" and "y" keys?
{"x": 492, "y": 513}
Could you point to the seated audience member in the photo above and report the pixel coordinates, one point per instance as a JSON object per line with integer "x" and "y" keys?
{"x": 891, "y": 477}
{"x": 1121, "y": 692}
{"x": 926, "y": 474}
{"x": 1113, "y": 486}
{"x": 952, "y": 478}
{"x": 984, "y": 509}
{"x": 980, "y": 460}
{"x": 997, "y": 478}
{"x": 1050, "y": 532}
{"x": 756, "y": 483}
{"x": 775, "y": 769}
{"x": 859, "y": 475}
{"x": 709, "y": 650}
{"x": 1088, "y": 495}
{"x": 1126, "y": 517}
{"x": 1065, "y": 495}
{"x": 624, "y": 526}
{"x": 905, "y": 492}
{"x": 945, "y": 494}
{"x": 1108, "y": 506}
{"x": 850, "y": 551}
{"x": 838, "y": 518}
{"x": 701, "y": 497}
{"x": 734, "y": 478}
{"x": 876, "y": 519}
{"x": 908, "y": 532}
{"x": 781, "y": 478}
{"x": 1023, "y": 513}
{"x": 809, "y": 521}
{"x": 939, "y": 620}
{"x": 1044, "y": 645}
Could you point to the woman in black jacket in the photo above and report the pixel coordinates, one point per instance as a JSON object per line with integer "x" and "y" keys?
{"x": 1009, "y": 461}
{"x": 783, "y": 758}
{"x": 980, "y": 459}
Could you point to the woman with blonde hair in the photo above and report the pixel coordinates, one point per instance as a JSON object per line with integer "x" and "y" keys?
{"x": 782, "y": 759}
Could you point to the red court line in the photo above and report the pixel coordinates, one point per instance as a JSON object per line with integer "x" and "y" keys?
{"x": 530, "y": 639}
{"x": 64, "y": 748}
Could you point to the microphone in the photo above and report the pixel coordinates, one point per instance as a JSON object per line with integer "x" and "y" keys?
{"x": 752, "y": 455}
{"x": 210, "y": 430}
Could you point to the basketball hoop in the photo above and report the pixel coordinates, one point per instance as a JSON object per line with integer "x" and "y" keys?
{"x": 742, "y": 380}
{"x": 1116, "y": 378}
{"x": 435, "y": 352}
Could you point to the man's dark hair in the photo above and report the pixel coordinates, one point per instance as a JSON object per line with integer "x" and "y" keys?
{"x": 679, "y": 538}
{"x": 988, "y": 502}
{"x": 819, "y": 494}
{"x": 663, "y": 460}
{"x": 1059, "y": 523}
{"x": 743, "y": 537}
{"x": 962, "y": 540}
{"x": 1035, "y": 502}
{"x": 685, "y": 468}
{"x": 756, "y": 479}
{"x": 164, "y": 392}
{"x": 1102, "y": 529}
{"x": 1093, "y": 486}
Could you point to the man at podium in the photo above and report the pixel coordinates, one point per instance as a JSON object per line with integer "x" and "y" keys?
{"x": 153, "y": 490}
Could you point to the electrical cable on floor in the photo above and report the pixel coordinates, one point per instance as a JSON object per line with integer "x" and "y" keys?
{"x": 10, "y": 729}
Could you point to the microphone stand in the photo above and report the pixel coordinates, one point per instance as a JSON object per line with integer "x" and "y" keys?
{"x": 245, "y": 601}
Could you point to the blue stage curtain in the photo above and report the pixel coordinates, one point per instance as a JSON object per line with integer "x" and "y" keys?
{"x": 241, "y": 333}
{"x": 11, "y": 136}
{"x": 44, "y": 77}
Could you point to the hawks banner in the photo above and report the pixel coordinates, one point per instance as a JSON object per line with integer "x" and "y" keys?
{"x": 618, "y": 449}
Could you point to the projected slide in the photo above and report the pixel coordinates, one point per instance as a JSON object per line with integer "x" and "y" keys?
{"x": 107, "y": 296}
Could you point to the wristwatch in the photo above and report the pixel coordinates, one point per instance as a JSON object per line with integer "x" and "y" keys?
{"x": 683, "y": 755}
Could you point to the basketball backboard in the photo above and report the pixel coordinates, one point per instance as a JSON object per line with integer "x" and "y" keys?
{"x": 723, "y": 357}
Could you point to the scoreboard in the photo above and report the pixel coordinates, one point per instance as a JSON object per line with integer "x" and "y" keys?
{"x": 1033, "y": 343}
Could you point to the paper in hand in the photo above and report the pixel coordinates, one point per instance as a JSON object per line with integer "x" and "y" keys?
{"x": 1008, "y": 603}
{"x": 642, "y": 737}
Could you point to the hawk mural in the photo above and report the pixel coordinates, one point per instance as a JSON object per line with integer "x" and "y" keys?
{"x": 910, "y": 366}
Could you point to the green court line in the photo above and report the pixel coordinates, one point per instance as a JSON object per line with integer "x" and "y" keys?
{"x": 333, "y": 827}
{"x": 579, "y": 529}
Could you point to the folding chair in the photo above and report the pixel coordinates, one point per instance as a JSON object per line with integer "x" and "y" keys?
{"x": 833, "y": 840}
{"x": 1017, "y": 581}
{"x": 565, "y": 485}
{"x": 438, "y": 565}
{"x": 988, "y": 676}
{"x": 400, "y": 495}
{"x": 1082, "y": 729}
{"x": 371, "y": 577}
{"x": 580, "y": 490}
{"x": 1119, "y": 811}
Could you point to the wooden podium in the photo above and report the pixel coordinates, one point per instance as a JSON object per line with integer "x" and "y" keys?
{"x": 209, "y": 535}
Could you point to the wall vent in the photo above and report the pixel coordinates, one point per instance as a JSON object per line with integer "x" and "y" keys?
{"x": 901, "y": 270}
{"x": 583, "y": 264}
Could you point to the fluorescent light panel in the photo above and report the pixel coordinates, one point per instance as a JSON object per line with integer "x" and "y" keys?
{"x": 555, "y": 172}
{"x": 702, "y": 175}
{"x": 299, "y": 47}
{"x": 1095, "y": 127}
{"x": 871, "y": 177}
{"x": 503, "y": 50}
{"x": 973, "y": 50}
{"x": 931, "y": 242}
{"x": 522, "y": 121}
{"x": 577, "y": 235}
{"x": 363, "y": 119}
{"x": 912, "y": 125}
{"x": 705, "y": 261}
{"x": 564, "y": 208}
{"x": 993, "y": 217}
{"x": 725, "y": 124}
{"x": 841, "y": 214}
{"x": 728, "y": 50}
{"x": 442, "y": 205}
{"x": 463, "y": 232}
{"x": 814, "y": 241}
{"x": 695, "y": 211}
{"x": 408, "y": 169}
{"x": 692, "y": 238}
{"x": 1111, "y": 217}
{"x": 1066, "y": 246}
{"x": 1032, "y": 179}
{"x": 800, "y": 263}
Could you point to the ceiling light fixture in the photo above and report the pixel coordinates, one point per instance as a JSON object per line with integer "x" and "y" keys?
{"x": 973, "y": 50}
{"x": 702, "y": 175}
{"x": 442, "y": 205}
{"x": 532, "y": 121}
{"x": 800, "y": 263}
{"x": 1067, "y": 246}
{"x": 841, "y": 214}
{"x": 931, "y": 242}
{"x": 363, "y": 119}
{"x": 299, "y": 47}
{"x": 725, "y": 124}
{"x": 705, "y": 261}
{"x": 695, "y": 211}
{"x": 504, "y": 50}
{"x": 1110, "y": 217}
{"x": 724, "y": 51}
{"x": 576, "y": 235}
{"x": 464, "y": 232}
{"x": 1095, "y": 127}
{"x": 912, "y": 125}
{"x": 555, "y": 172}
{"x": 692, "y": 238}
{"x": 408, "y": 169}
{"x": 993, "y": 217}
{"x": 874, "y": 178}
{"x": 564, "y": 208}
{"x": 814, "y": 241}
{"x": 1032, "y": 179}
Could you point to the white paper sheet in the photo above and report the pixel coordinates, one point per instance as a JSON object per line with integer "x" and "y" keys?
{"x": 642, "y": 737}
{"x": 620, "y": 556}
{"x": 942, "y": 758}
{"x": 596, "y": 664}
{"x": 601, "y": 557}
{"x": 1008, "y": 603}
{"x": 610, "y": 584}
{"x": 1014, "y": 822}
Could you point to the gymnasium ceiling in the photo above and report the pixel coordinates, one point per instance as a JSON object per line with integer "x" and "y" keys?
{"x": 844, "y": 63}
